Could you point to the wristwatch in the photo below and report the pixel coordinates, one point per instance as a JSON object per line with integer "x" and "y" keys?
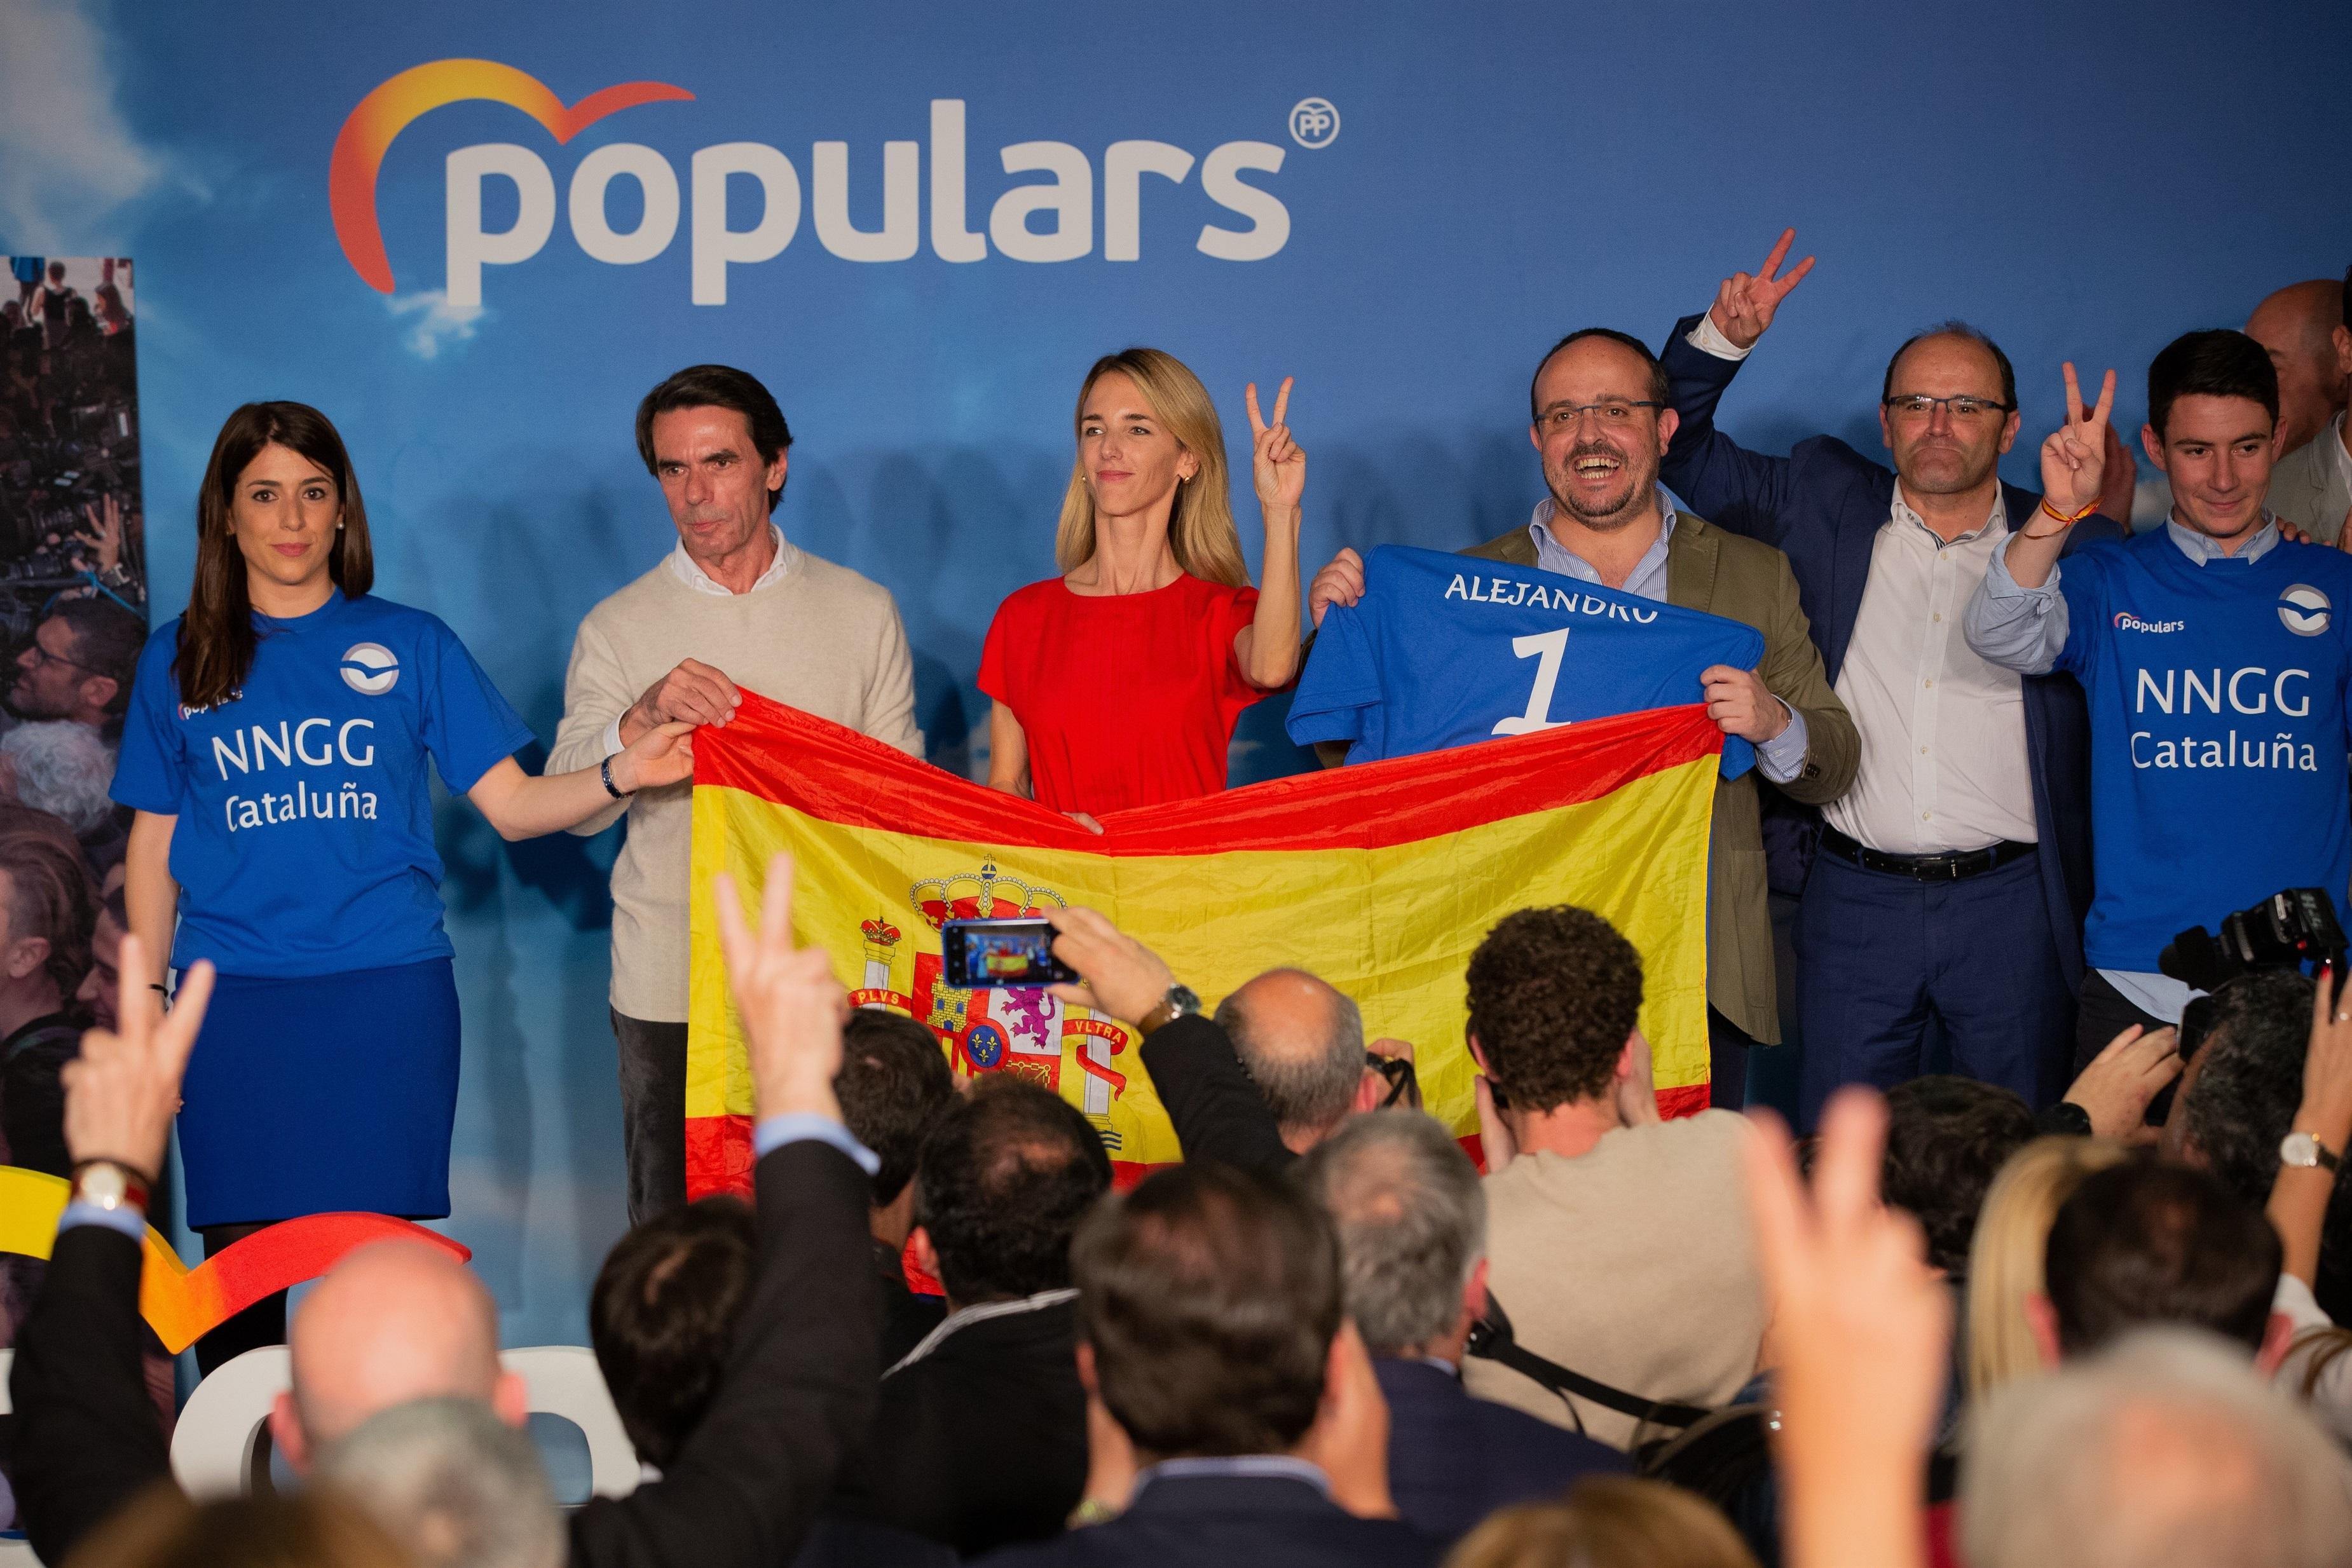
{"x": 2303, "y": 1152}
{"x": 1182, "y": 1001}
{"x": 110, "y": 1185}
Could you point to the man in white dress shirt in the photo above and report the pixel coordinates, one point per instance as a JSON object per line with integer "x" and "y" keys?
{"x": 1942, "y": 895}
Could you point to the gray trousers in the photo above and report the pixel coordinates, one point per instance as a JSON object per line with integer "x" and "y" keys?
{"x": 653, "y": 1112}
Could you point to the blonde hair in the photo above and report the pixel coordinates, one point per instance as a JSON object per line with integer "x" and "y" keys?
{"x": 1607, "y": 1522}
{"x": 2005, "y": 1256}
{"x": 1201, "y": 530}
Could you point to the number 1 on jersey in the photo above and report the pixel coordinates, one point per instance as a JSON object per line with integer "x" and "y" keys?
{"x": 1549, "y": 647}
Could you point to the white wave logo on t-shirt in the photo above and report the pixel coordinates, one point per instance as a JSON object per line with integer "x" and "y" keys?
{"x": 2303, "y": 609}
{"x": 369, "y": 669}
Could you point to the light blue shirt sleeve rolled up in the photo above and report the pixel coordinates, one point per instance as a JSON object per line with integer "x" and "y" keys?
{"x": 2020, "y": 629}
{"x": 774, "y": 1131}
{"x": 129, "y": 1222}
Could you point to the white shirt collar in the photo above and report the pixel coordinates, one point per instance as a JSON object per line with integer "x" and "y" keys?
{"x": 2202, "y": 549}
{"x": 1996, "y": 522}
{"x": 964, "y": 1317}
{"x": 787, "y": 561}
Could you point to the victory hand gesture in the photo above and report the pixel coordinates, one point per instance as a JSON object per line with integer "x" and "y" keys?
{"x": 1277, "y": 464}
{"x": 1744, "y": 304}
{"x": 2075, "y": 458}
{"x": 124, "y": 1090}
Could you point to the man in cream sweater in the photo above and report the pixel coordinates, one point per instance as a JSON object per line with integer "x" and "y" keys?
{"x": 734, "y": 607}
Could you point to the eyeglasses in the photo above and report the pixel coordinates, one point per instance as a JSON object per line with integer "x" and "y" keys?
{"x": 1614, "y": 414}
{"x": 43, "y": 656}
{"x": 1918, "y": 405}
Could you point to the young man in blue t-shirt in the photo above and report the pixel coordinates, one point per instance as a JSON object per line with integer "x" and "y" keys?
{"x": 2214, "y": 654}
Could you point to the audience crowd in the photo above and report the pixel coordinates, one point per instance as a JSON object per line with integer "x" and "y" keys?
{"x": 70, "y": 521}
{"x": 1957, "y": 1323}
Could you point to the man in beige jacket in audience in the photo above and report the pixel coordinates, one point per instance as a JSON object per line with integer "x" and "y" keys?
{"x": 735, "y": 607}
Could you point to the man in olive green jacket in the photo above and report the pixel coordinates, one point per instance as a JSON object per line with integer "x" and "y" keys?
{"x": 1600, "y": 419}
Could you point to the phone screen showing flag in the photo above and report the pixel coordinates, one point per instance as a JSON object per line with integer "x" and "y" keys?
{"x": 1000, "y": 954}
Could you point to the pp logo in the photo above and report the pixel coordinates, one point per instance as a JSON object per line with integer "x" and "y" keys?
{"x": 1314, "y": 122}
{"x": 369, "y": 669}
{"x": 2303, "y": 610}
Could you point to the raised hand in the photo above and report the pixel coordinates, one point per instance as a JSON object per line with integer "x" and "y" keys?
{"x": 124, "y": 1090}
{"x": 1276, "y": 464}
{"x": 791, "y": 1005}
{"x": 1861, "y": 1327}
{"x": 1341, "y": 583}
{"x": 2075, "y": 458}
{"x": 1744, "y": 303}
{"x": 105, "y": 531}
{"x": 2115, "y": 1089}
{"x": 663, "y": 754}
{"x": 1122, "y": 976}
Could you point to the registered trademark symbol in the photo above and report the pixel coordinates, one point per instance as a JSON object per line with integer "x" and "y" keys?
{"x": 1314, "y": 122}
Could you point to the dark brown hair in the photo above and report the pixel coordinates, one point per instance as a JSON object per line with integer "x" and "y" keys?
{"x": 662, "y": 1314}
{"x": 718, "y": 386}
{"x": 217, "y": 636}
{"x": 1554, "y": 994}
{"x": 1210, "y": 1296}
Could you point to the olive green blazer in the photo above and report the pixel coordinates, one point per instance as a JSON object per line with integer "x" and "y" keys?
{"x": 1741, "y": 579}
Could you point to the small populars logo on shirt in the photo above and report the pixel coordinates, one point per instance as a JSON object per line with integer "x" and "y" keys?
{"x": 369, "y": 669}
{"x": 2127, "y": 622}
{"x": 2303, "y": 609}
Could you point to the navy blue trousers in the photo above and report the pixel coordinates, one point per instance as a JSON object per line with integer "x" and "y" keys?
{"x": 1887, "y": 965}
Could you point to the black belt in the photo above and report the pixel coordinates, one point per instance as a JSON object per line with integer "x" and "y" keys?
{"x": 1952, "y": 867}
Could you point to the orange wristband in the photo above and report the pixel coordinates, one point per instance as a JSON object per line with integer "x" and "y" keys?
{"x": 2056, "y": 516}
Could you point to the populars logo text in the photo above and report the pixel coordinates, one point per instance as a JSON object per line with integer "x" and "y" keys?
{"x": 2127, "y": 622}
{"x": 1038, "y": 221}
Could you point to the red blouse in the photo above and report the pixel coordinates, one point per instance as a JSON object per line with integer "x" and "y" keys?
{"x": 1127, "y": 699}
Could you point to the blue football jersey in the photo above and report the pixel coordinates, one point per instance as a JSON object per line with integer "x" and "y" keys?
{"x": 1445, "y": 650}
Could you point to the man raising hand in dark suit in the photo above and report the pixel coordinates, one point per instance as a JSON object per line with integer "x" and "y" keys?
{"x": 1952, "y": 878}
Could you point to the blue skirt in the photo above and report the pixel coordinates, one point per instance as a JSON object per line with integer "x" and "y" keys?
{"x": 328, "y": 1093}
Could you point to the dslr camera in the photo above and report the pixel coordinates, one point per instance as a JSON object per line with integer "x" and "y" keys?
{"x": 2284, "y": 931}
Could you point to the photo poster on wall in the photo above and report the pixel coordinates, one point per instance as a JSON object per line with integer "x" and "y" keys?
{"x": 72, "y": 528}
{"x": 71, "y": 521}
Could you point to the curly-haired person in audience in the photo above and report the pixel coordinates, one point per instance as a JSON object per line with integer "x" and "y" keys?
{"x": 1617, "y": 1243}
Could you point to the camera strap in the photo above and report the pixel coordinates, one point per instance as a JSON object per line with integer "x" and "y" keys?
{"x": 1491, "y": 1340}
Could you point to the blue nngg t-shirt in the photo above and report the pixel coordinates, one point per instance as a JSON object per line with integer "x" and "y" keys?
{"x": 1446, "y": 650}
{"x": 304, "y": 844}
{"x": 2217, "y": 733}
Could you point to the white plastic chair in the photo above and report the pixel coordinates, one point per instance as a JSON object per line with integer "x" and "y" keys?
{"x": 213, "y": 1447}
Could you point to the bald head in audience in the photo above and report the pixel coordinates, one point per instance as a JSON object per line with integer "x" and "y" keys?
{"x": 2163, "y": 1452}
{"x": 1303, "y": 1044}
{"x": 393, "y": 1322}
{"x": 2297, "y": 324}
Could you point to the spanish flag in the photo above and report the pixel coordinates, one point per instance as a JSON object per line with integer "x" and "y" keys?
{"x": 1380, "y": 878}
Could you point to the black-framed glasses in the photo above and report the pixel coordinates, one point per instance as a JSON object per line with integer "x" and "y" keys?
{"x": 43, "y": 656}
{"x": 1918, "y": 405}
{"x": 1613, "y": 414}
{"x": 1404, "y": 1084}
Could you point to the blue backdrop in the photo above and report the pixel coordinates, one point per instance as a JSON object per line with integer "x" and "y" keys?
{"x": 2082, "y": 181}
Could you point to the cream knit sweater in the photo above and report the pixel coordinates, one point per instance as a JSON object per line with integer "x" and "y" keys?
{"x": 819, "y": 637}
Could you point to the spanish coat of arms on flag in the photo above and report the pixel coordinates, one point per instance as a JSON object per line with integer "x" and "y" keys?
{"x": 1380, "y": 878}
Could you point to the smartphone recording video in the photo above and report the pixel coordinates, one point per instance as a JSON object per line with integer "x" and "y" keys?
{"x": 1001, "y": 955}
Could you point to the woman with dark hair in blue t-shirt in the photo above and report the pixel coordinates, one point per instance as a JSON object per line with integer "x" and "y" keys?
{"x": 275, "y": 753}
